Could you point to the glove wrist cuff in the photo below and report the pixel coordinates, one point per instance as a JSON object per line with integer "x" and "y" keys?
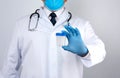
{"x": 84, "y": 54}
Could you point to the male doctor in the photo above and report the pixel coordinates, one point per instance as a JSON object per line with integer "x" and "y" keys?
{"x": 35, "y": 54}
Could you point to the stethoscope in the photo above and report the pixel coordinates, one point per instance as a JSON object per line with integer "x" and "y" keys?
{"x": 38, "y": 16}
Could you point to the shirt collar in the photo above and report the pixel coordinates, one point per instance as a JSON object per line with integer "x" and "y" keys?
{"x": 58, "y": 13}
{"x": 63, "y": 17}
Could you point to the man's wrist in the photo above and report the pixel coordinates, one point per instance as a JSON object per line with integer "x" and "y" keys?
{"x": 84, "y": 54}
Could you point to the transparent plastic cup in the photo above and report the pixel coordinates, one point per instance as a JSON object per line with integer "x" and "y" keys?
{"x": 61, "y": 39}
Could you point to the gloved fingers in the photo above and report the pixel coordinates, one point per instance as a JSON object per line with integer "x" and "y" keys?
{"x": 77, "y": 32}
{"x": 69, "y": 30}
{"x": 66, "y": 48}
{"x": 66, "y": 34}
{"x": 74, "y": 33}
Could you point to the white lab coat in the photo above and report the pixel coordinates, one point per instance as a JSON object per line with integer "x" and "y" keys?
{"x": 36, "y": 54}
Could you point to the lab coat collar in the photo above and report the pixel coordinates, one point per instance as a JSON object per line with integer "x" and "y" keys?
{"x": 58, "y": 13}
{"x": 63, "y": 17}
{"x": 43, "y": 14}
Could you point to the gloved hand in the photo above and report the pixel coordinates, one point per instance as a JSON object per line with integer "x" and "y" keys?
{"x": 75, "y": 43}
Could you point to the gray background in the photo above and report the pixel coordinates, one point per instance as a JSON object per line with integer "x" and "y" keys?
{"x": 104, "y": 15}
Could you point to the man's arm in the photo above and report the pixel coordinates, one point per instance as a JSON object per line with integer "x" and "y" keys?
{"x": 90, "y": 48}
{"x": 11, "y": 66}
{"x": 95, "y": 46}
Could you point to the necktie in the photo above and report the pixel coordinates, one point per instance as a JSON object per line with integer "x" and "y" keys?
{"x": 53, "y": 16}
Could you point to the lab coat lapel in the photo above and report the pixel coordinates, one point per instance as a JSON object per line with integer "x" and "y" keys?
{"x": 62, "y": 18}
{"x": 45, "y": 22}
{"x": 43, "y": 14}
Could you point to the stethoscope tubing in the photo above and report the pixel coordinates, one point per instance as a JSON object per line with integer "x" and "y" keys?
{"x": 38, "y": 16}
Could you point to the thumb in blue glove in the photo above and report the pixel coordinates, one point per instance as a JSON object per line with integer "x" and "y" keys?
{"x": 75, "y": 42}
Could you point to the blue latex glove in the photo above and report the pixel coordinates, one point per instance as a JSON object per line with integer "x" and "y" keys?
{"x": 75, "y": 43}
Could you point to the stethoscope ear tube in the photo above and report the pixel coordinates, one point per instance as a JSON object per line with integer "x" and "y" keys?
{"x": 70, "y": 16}
{"x": 38, "y": 16}
{"x": 35, "y": 13}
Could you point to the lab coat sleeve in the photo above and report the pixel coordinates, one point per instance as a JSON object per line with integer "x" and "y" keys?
{"x": 95, "y": 47}
{"x": 12, "y": 63}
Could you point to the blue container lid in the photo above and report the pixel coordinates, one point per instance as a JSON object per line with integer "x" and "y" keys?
{"x": 60, "y": 34}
